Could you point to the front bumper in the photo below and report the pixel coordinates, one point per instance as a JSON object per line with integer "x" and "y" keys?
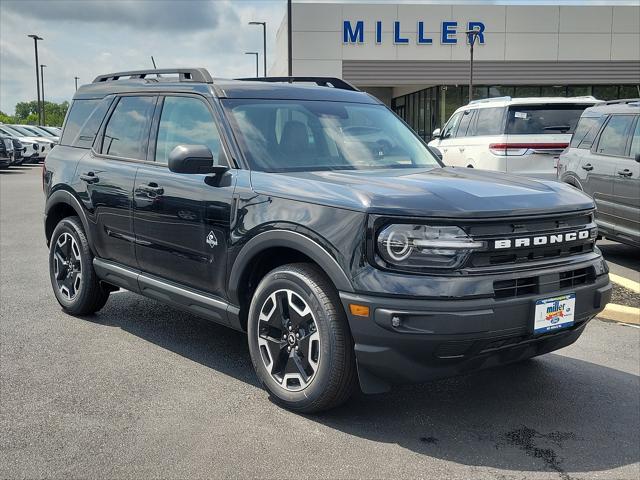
{"x": 447, "y": 337}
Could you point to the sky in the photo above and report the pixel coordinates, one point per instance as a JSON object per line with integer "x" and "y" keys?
{"x": 86, "y": 38}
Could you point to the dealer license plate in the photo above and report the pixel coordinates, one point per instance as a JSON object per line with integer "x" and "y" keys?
{"x": 554, "y": 313}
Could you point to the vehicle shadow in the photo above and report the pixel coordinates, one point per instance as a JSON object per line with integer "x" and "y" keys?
{"x": 552, "y": 413}
{"x": 624, "y": 255}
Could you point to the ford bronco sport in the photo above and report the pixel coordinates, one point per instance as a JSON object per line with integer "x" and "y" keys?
{"x": 304, "y": 212}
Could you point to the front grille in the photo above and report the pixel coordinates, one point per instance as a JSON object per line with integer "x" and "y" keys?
{"x": 517, "y": 287}
{"x": 493, "y": 231}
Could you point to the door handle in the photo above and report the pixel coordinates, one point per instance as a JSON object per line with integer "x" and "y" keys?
{"x": 151, "y": 188}
{"x": 625, "y": 173}
{"x": 89, "y": 177}
{"x": 461, "y": 149}
{"x": 588, "y": 167}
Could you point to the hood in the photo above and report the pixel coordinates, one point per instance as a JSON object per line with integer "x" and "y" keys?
{"x": 438, "y": 192}
{"x": 41, "y": 140}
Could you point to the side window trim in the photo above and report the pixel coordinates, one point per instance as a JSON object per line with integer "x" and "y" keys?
{"x": 99, "y": 142}
{"x": 628, "y": 132}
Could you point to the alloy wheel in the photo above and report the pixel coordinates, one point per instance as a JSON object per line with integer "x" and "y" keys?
{"x": 289, "y": 340}
{"x": 67, "y": 266}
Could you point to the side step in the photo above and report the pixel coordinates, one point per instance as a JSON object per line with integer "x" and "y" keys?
{"x": 191, "y": 300}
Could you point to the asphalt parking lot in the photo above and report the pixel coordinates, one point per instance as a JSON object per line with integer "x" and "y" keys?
{"x": 141, "y": 390}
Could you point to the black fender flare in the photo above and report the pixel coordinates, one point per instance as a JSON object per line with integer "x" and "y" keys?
{"x": 65, "y": 197}
{"x": 288, "y": 239}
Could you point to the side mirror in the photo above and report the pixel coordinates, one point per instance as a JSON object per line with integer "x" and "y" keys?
{"x": 638, "y": 157}
{"x": 436, "y": 133}
{"x": 193, "y": 159}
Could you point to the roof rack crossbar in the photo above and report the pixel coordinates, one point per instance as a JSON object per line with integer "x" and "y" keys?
{"x": 622, "y": 100}
{"x": 200, "y": 75}
{"x": 320, "y": 81}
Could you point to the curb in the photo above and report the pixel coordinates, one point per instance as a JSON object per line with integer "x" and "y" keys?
{"x": 625, "y": 282}
{"x": 621, "y": 314}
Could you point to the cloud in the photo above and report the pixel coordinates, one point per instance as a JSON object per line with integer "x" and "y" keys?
{"x": 190, "y": 15}
{"x": 86, "y": 38}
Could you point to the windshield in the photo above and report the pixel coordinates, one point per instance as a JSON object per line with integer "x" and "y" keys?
{"x": 15, "y": 131}
{"x": 294, "y": 135}
{"x": 39, "y": 131}
{"x": 549, "y": 119}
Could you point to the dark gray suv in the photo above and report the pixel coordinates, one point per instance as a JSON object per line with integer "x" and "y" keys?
{"x": 603, "y": 160}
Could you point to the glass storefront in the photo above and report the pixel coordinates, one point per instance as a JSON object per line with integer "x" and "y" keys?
{"x": 428, "y": 109}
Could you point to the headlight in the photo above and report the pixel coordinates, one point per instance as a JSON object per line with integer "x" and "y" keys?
{"x": 424, "y": 246}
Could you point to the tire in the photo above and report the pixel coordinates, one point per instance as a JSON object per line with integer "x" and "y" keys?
{"x": 74, "y": 281}
{"x": 321, "y": 373}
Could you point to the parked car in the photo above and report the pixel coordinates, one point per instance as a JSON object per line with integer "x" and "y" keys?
{"x": 6, "y": 152}
{"x": 40, "y": 132}
{"x": 19, "y": 151}
{"x": 523, "y": 136}
{"x": 55, "y": 131}
{"x": 32, "y": 150}
{"x": 603, "y": 160}
{"x": 44, "y": 144}
{"x": 315, "y": 220}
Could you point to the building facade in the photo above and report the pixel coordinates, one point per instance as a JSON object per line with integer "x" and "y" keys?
{"x": 415, "y": 57}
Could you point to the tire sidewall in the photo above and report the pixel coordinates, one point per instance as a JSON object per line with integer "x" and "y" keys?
{"x": 295, "y": 281}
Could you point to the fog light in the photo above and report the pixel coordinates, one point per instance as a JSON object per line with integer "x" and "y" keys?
{"x": 395, "y": 321}
{"x": 359, "y": 310}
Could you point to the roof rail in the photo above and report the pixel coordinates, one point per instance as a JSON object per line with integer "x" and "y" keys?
{"x": 493, "y": 99}
{"x": 622, "y": 100}
{"x": 185, "y": 74}
{"x": 320, "y": 81}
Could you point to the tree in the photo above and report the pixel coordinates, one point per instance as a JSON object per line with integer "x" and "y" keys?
{"x": 4, "y": 118}
{"x": 27, "y": 112}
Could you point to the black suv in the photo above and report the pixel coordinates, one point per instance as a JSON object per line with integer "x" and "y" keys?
{"x": 305, "y": 213}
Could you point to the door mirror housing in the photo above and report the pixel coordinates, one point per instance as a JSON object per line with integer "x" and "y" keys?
{"x": 638, "y": 157}
{"x": 193, "y": 159}
{"x": 436, "y": 133}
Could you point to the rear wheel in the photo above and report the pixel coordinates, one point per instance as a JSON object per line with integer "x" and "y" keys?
{"x": 74, "y": 281}
{"x": 299, "y": 339}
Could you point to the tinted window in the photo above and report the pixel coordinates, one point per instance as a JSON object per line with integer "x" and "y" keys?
{"x": 451, "y": 126}
{"x": 127, "y": 131}
{"x": 635, "y": 142}
{"x": 613, "y": 140}
{"x": 290, "y": 135}
{"x": 537, "y": 119}
{"x": 586, "y": 131}
{"x": 464, "y": 123}
{"x": 89, "y": 130}
{"x": 186, "y": 121}
{"x": 76, "y": 117}
{"x": 490, "y": 121}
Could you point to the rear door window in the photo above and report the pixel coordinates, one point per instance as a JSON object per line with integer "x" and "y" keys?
{"x": 78, "y": 114}
{"x": 543, "y": 119}
{"x": 490, "y": 121}
{"x": 635, "y": 141}
{"x": 465, "y": 121}
{"x": 613, "y": 140}
{"x": 127, "y": 132}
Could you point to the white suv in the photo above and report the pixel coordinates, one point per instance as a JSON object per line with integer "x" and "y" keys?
{"x": 522, "y": 136}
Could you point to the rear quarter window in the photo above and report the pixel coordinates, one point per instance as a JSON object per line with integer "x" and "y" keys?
{"x": 586, "y": 131}
{"x": 543, "y": 119}
{"x": 489, "y": 121}
{"x": 77, "y": 116}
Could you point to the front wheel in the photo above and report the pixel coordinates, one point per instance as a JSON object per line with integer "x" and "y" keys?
{"x": 74, "y": 281}
{"x": 299, "y": 339}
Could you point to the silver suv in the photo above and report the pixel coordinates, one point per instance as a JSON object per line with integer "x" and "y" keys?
{"x": 603, "y": 160}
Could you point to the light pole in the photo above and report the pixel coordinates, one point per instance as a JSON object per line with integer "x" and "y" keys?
{"x": 35, "y": 44}
{"x": 76, "y": 79}
{"x": 289, "y": 40}
{"x": 264, "y": 44}
{"x": 42, "y": 67}
{"x": 257, "y": 68}
{"x": 471, "y": 35}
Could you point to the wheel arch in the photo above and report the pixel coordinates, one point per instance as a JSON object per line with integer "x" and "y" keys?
{"x": 275, "y": 248}
{"x": 62, "y": 204}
